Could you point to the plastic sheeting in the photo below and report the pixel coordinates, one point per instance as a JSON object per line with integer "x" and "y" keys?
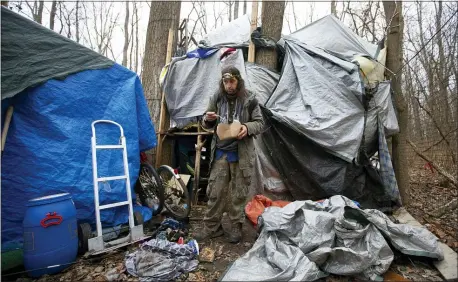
{"x": 234, "y": 33}
{"x": 305, "y": 241}
{"x": 161, "y": 260}
{"x": 320, "y": 100}
{"x": 337, "y": 39}
{"x": 33, "y": 54}
{"x": 189, "y": 84}
{"x": 48, "y": 148}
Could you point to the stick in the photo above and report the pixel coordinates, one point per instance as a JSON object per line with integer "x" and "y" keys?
{"x": 163, "y": 104}
{"x": 197, "y": 166}
{"x": 445, "y": 208}
{"x": 435, "y": 166}
{"x": 9, "y": 114}
{"x": 254, "y": 23}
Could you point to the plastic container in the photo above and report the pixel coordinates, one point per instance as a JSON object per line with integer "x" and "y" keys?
{"x": 50, "y": 234}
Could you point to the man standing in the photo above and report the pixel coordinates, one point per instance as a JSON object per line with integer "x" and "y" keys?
{"x": 232, "y": 160}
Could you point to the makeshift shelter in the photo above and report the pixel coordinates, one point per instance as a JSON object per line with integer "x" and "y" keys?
{"x": 58, "y": 88}
{"x": 327, "y": 112}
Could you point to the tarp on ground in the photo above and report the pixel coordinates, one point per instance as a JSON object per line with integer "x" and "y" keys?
{"x": 33, "y": 54}
{"x": 332, "y": 35}
{"x": 305, "y": 241}
{"x": 48, "y": 147}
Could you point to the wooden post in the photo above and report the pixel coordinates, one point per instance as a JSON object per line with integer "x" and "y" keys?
{"x": 162, "y": 117}
{"x": 254, "y": 23}
{"x": 9, "y": 114}
{"x": 197, "y": 166}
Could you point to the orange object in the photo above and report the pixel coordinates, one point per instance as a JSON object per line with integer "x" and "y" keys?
{"x": 258, "y": 204}
{"x": 393, "y": 276}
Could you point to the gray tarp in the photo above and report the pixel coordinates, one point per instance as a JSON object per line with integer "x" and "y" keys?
{"x": 190, "y": 83}
{"x": 32, "y": 55}
{"x": 234, "y": 33}
{"x": 306, "y": 240}
{"x": 333, "y": 36}
{"x": 320, "y": 100}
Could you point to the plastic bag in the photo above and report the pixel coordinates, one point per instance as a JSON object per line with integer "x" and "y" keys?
{"x": 257, "y": 205}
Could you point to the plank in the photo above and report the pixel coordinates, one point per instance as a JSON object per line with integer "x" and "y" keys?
{"x": 163, "y": 114}
{"x": 447, "y": 267}
{"x": 254, "y": 23}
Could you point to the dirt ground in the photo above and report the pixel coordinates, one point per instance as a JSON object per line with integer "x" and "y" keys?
{"x": 426, "y": 197}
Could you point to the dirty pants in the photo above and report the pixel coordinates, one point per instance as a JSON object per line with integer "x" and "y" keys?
{"x": 227, "y": 191}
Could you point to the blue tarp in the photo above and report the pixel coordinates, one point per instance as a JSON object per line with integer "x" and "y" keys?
{"x": 48, "y": 148}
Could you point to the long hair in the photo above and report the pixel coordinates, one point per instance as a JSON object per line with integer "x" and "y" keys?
{"x": 240, "y": 82}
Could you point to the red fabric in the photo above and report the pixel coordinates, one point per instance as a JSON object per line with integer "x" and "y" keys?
{"x": 227, "y": 52}
{"x": 258, "y": 204}
{"x": 143, "y": 158}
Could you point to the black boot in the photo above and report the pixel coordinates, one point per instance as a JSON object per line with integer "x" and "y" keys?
{"x": 206, "y": 233}
{"x": 236, "y": 233}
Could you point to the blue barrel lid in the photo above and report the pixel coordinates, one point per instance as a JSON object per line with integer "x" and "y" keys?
{"x": 49, "y": 199}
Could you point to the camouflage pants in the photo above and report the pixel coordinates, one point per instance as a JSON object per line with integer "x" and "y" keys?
{"x": 227, "y": 191}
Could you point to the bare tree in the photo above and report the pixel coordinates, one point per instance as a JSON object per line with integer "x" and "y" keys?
{"x": 36, "y": 9}
{"x": 126, "y": 36}
{"x": 77, "y": 21}
{"x": 136, "y": 37}
{"x": 395, "y": 23}
{"x": 244, "y": 7}
{"x": 236, "y": 9}
{"x": 334, "y": 8}
{"x": 52, "y": 15}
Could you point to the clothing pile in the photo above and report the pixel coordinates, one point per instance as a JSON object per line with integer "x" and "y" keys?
{"x": 161, "y": 259}
{"x": 307, "y": 240}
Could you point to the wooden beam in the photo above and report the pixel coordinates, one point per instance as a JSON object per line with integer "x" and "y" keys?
{"x": 447, "y": 267}
{"x": 254, "y": 23}
{"x": 163, "y": 116}
{"x": 6, "y": 126}
{"x": 197, "y": 167}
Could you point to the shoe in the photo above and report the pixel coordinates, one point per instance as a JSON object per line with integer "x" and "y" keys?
{"x": 236, "y": 233}
{"x": 205, "y": 234}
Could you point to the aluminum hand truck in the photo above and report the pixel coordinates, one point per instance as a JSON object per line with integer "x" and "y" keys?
{"x": 97, "y": 245}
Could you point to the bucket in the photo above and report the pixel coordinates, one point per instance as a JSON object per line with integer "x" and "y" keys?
{"x": 50, "y": 234}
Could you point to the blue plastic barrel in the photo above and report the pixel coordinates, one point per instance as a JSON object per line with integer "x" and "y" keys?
{"x": 50, "y": 234}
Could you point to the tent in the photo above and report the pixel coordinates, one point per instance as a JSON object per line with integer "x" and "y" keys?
{"x": 58, "y": 88}
{"x": 326, "y": 112}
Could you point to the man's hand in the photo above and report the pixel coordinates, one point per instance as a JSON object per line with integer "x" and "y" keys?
{"x": 243, "y": 132}
{"x": 211, "y": 116}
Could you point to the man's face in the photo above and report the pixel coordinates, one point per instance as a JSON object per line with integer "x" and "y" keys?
{"x": 230, "y": 85}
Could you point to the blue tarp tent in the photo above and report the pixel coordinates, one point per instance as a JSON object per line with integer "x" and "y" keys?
{"x": 58, "y": 88}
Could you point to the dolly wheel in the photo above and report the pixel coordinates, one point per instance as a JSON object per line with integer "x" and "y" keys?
{"x": 138, "y": 218}
{"x": 84, "y": 234}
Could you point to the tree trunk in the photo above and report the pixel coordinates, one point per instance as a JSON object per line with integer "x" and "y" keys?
{"x": 163, "y": 16}
{"x": 230, "y": 10}
{"x": 136, "y": 37}
{"x": 334, "y": 8}
{"x": 52, "y": 15}
{"x": 40, "y": 12}
{"x": 272, "y": 23}
{"x": 244, "y": 7}
{"x": 236, "y": 9}
{"x": 446, "y": 115}
{"x": 126, "y": 36}
{"x": 393, "y": 13}
{"x": 77, "y": 21}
